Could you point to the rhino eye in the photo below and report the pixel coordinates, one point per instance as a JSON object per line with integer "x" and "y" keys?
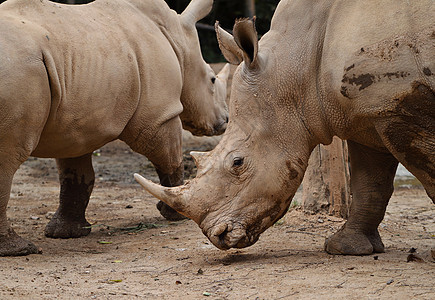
{"x": 213, "y": 79}
{"x": 237, "y": 162}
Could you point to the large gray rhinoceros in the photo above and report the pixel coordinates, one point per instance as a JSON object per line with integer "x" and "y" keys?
{"x": 360, "y": 70}
{"x": 73, "y": 78}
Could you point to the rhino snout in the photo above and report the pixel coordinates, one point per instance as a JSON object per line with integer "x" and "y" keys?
{"x": 225, "y": 236}
{"x": 220, "y": 127}
{"x": 211, "y": 129}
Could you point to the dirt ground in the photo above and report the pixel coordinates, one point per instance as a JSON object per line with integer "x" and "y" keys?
{"x": 132, "y": 252}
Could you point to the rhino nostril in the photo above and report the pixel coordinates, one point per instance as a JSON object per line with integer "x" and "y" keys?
{"x": 223, "y": 235}
{"x": 218, "y": 236}
{"x": 219, "y": 230}
{"x": 220, "y": 128}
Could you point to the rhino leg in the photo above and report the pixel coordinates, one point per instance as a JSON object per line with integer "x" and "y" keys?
{"x": 174, "y": 179}
{"x": 372, "y": 175}
{"x": 24, "y": 109}
{"x": 11, "y": 244}
{"x": 76, "y": 177}
{"x": 167, "y": 158}
{"x": 164, "y": 150}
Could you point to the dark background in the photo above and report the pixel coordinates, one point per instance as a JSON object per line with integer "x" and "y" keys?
{"x": 225, "y": 11}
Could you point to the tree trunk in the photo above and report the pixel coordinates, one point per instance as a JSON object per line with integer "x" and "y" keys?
{"x": 326, "y": 185}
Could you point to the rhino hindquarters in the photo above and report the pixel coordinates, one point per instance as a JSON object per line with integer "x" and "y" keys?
{"x": 409, "y": 133}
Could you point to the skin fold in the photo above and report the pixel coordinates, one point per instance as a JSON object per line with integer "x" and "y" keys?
{"x": 73, "y": 78}
{"x": 360, "y": 70}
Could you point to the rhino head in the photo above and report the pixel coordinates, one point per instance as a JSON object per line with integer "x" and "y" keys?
{"x": 247, "y": 182}
{"x": 204, "y": 93}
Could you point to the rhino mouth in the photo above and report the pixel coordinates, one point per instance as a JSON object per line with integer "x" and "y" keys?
{"x": 230, "y": 235}
{"x": 221, "y": 127}
{"x": 216, "y": 129}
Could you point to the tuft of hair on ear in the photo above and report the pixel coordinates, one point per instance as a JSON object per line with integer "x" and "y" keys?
{"x": 246, "y": 38}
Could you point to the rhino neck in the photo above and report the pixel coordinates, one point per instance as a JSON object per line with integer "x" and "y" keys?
{"x": 177, "y": 46}
{"x": 297, "y": 45}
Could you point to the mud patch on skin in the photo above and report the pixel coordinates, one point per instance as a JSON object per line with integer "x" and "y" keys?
{"x": 175, "y": 205}
{"x": 411, "y": 131}
{"x": 74, "y": 194}
{"x": 389, "y": 66}
{"x": 427, "y": 72}
{"x": 261, "y": 220}
{"x": 275, "y": 213}
{"x": 349, "y": 68}
{"x": 72, "y": 187}
{"x": 391, "y": 49}
{"x": 363, "y": 81}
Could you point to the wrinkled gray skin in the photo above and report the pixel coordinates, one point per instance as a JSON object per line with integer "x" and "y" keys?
{"x": 360, "y": 70}
{"x": 73, "y": 78}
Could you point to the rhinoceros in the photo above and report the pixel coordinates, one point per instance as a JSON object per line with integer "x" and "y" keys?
{"x": 360, "y": 70}
{"x": 73, "y": 78}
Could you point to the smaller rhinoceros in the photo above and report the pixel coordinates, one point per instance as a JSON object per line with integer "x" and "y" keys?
{"x": 73, "y": 78}
{"x": 360, "y": 70}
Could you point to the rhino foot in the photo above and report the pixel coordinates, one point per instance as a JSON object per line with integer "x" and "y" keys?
{"x": 168, "y": 212}
{"x": 12, "y": 244}
{"x": 352, "y": 242}
{"x": 61, "y": 228}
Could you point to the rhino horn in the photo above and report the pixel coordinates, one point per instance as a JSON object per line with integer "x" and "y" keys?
{"x": 195, "y": 11}
{"x": 176, "y": 197}
{"x": 199, "y": 158}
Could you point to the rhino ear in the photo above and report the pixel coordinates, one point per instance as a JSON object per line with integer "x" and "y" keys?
{"x": 224, "y": 73}
{"x": 232, "y": 53}
{"x": 245, "y": 35}
{"x": 195, "y": 11}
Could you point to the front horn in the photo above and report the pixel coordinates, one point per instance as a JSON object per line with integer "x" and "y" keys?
{"x": 176, "y": 197}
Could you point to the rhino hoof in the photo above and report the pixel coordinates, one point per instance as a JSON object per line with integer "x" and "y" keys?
{"x": 12, "y": 244}
{"x": 168, "y": 212}
{"x": 349, "y": 242}
{"x": 59, "y": 228}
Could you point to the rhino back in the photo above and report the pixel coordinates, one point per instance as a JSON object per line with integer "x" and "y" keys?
{"x": 100, "y": 60}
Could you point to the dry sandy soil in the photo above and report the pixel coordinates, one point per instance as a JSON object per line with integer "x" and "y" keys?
{"x": 133, "y": 252}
